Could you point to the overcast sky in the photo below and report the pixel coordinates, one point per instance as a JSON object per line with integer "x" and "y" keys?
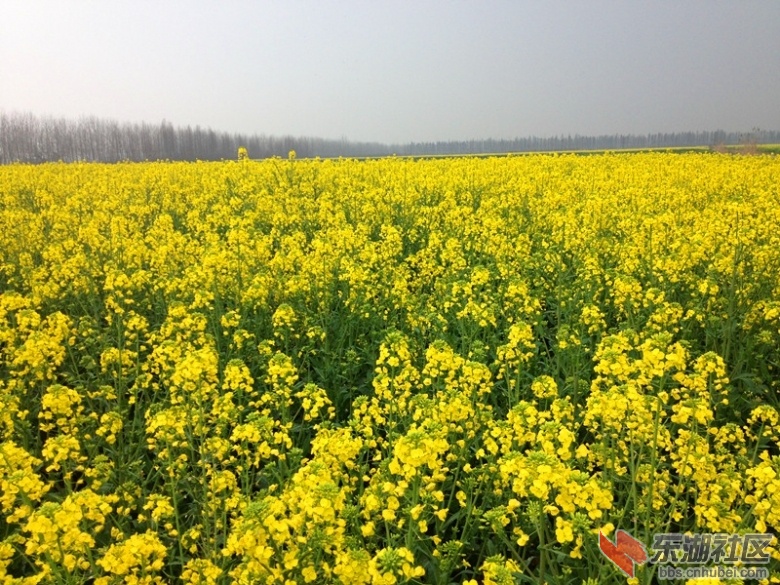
{"x": 398, "y": 71}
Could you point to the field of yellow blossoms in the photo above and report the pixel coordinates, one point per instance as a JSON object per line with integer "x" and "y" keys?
{"x": 384, "y": 371}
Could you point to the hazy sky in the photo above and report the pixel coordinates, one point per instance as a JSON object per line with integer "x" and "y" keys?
{"x": 398, "y": 71}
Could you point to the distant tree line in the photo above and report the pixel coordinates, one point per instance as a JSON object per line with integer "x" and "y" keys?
{"x": 602, "y": 142}
{"x": 34, "y": 139}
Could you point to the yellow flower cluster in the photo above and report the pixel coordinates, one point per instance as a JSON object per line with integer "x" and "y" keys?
{"x": 383, "y": 371}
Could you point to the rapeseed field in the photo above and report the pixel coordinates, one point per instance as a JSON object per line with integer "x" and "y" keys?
{"x": 384, "y": 371}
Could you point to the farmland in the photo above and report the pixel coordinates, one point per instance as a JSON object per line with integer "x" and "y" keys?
{"x": 384, "y": 371}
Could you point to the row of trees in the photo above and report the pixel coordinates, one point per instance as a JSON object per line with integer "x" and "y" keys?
{"x": 29, "y": 138}
{"x": 603, "y": 142}
{"x": 34, "y": 139}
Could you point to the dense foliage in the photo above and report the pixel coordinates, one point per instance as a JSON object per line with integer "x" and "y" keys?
{"x": 384, "y": 371}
